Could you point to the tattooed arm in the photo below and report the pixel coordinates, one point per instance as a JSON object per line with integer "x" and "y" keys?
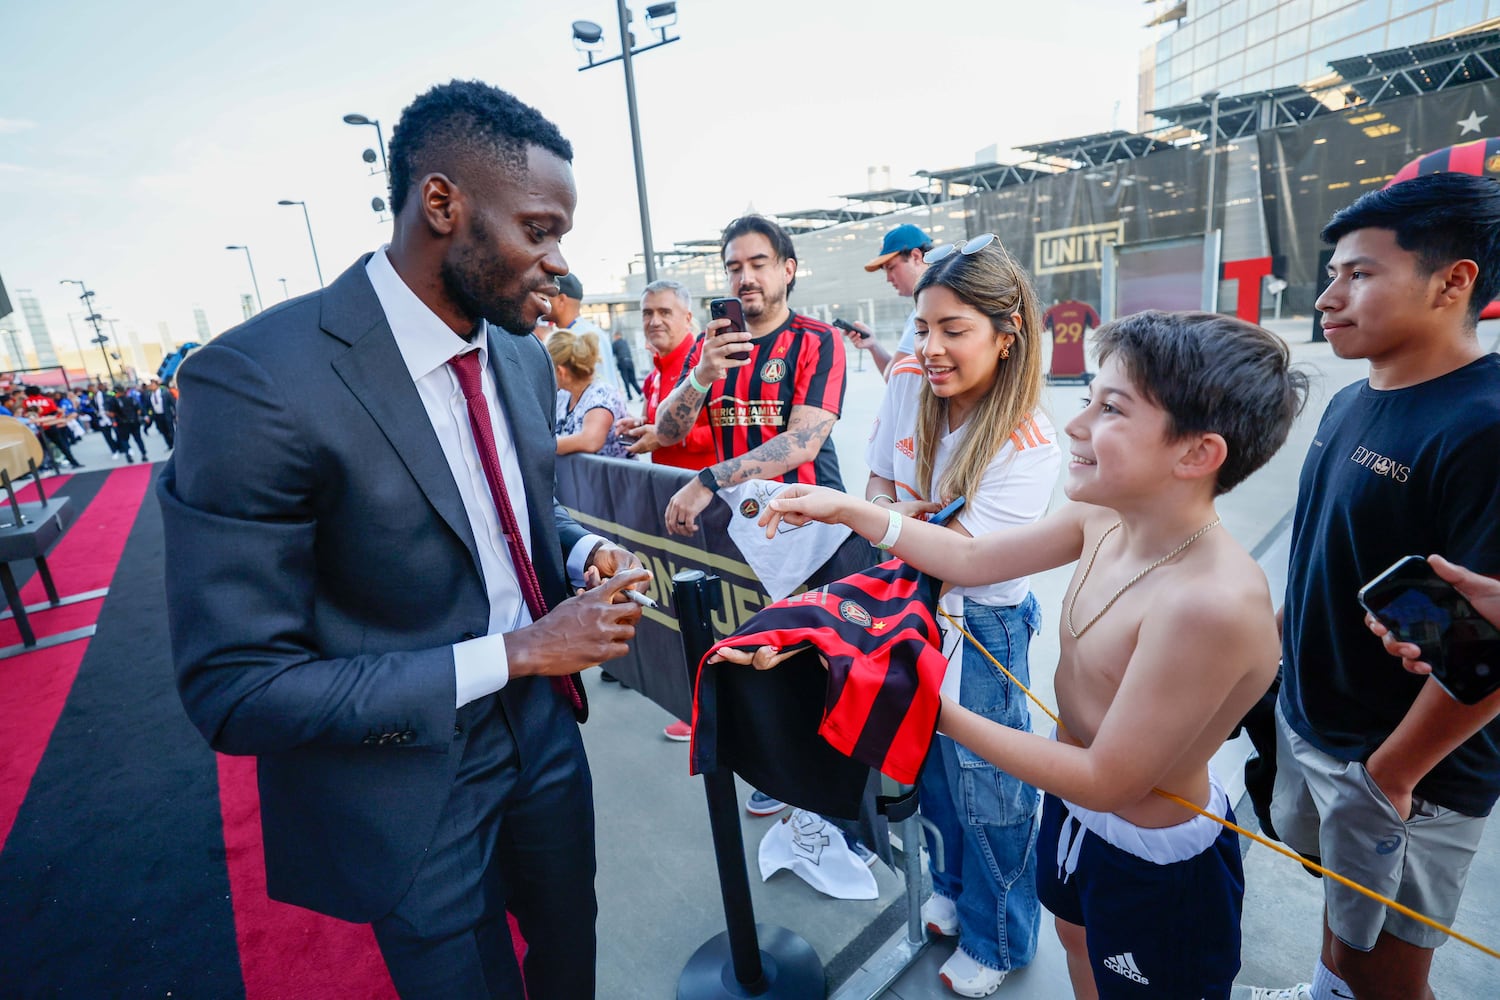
{"x": 675, "y": 416}
{"x": 806, "y": 430}
{"x": 678, "y": 412}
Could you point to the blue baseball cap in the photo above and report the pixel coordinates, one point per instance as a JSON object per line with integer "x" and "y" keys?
{"x": 902, "y": 239}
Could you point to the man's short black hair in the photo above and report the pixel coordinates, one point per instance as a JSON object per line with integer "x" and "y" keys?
{"x": 463, "y": 119}
{"x": 1441, "y": 218}
{"x": 781, "y": 241}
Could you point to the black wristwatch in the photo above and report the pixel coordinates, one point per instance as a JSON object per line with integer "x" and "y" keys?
{"x": 706, "y": 477}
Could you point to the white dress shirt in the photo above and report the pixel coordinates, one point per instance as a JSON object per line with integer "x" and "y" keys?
{"x": 427, "y": 344}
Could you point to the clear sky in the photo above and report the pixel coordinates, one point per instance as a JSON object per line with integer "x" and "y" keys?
{"x": 135, "y": 145}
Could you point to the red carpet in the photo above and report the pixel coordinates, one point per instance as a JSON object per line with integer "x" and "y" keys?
{"x": 286, "y": 952}
{"x": 131, "y": 861}
{"x": 38, "y": 683}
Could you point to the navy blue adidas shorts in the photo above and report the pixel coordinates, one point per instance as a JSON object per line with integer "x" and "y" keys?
{"x": 1168, "y": 932}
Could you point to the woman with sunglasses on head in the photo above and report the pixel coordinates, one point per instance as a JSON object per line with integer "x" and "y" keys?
{"x": 961, "y": 418}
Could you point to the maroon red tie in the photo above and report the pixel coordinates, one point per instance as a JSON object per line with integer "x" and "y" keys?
{"x": 466, "y": 367}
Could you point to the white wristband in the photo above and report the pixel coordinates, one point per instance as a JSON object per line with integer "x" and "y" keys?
{"x": 891, "y": 533}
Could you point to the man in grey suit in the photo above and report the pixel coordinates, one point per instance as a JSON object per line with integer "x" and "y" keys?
{"x": 347, "y": 603}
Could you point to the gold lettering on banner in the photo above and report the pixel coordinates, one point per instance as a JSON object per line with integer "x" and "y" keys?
{"x": 1077, "y": 248}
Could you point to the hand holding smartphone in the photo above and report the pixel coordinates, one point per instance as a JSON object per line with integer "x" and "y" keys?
{"x": 852, "y": 330}
{"x": 734, "y": 311}
{"x": 1422, "y": 608}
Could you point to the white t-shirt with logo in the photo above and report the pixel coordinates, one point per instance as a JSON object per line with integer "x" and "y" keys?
{"x": 1016, "y": 487}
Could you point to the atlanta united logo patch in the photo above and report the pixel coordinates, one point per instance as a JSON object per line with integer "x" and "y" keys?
{"x": 750, "y": 508}
{"x": 853, "y": 613}
{"x": 773, "y": 370}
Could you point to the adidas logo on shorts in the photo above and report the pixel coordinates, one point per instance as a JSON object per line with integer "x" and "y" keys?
{"x": 1124, "y": 965}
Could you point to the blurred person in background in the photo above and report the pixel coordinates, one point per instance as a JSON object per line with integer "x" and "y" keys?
{"x": 587, "y": 407}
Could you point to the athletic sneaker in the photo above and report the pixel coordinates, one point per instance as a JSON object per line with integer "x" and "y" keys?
{"x": 1302, "y": 991}
{"x": 761, "y": 804}
{"x": 940, "y": 915}
{"x": 863, "y": 853}
{"x": 678, "y": 732}
{"x": 968, "y": 978}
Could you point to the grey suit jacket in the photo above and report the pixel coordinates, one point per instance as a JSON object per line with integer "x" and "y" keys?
{"x": 323, "y": 565}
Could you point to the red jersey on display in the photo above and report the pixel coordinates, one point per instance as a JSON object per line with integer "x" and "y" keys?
{"x": 1067, "y": 320}
{"x": 697, "y": 449}
{"x": 800, "y": 363}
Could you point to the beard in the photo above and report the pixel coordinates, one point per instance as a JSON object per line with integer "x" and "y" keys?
{"x": 770, "y": 302}
{"x": 472, "y": 279}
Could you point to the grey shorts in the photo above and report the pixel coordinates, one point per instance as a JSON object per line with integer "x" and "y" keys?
{"x": 1331, "y": 808}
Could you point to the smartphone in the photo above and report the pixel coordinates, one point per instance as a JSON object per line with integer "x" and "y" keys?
{"x": 734, "y": 311}
{"x": 1420, "y": 607}
{"x": 941, "y": 517}
{"x": 848, "y": 327}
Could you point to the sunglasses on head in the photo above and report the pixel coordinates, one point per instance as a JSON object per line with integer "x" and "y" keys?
{"x": 967, "y": 247}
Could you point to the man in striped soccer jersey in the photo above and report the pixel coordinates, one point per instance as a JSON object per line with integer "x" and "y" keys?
{"x": 772, "y": 409}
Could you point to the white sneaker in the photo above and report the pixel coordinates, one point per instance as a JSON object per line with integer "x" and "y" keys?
{"x": 940, "y": 915}
{"x": 1302, "y": 991}
{"x": 968, "y": 978}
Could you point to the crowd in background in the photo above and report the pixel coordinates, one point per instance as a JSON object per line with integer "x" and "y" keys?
{"x": 122, "y": 414}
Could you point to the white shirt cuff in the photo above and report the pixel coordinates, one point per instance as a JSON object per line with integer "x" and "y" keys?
{"x": 578, "y": 558}
{"x": 480, "y": 666}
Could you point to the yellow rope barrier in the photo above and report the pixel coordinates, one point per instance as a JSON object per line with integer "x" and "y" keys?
{"x": 1264, "y": 842}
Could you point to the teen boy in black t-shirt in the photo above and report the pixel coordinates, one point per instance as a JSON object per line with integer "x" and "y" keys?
{"x": 1380, "y": 772}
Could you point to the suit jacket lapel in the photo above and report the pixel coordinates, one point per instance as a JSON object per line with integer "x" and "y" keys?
{"x": 375, "y": 373}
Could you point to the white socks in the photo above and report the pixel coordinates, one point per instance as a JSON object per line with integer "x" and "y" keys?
{"x": 1328, "y": 986}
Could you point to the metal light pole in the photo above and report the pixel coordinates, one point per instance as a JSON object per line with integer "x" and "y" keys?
{"x": 259, "y": 304}
{"x": 284, "y": 293}
{"x": 77, "y": 344}
{"x": 376, "y": 204}
{"x": 1212, "y": 97}
{"x": 357, "y": 119}
{"x": 93, "y": 319}
{"x": 587, "y": 38}
{"x": 318, "y": 267}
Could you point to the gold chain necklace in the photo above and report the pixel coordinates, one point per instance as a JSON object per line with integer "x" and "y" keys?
{"x": 1077, "y": 633}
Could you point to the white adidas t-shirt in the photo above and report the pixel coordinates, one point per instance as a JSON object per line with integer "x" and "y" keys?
{"x": 1016, "y": 488}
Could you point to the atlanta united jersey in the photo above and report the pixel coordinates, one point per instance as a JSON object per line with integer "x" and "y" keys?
{"x": 877, "y": 635}
{"x": 800, "y": 363}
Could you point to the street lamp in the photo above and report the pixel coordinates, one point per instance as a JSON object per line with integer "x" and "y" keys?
{"x": 1212, "y": 99}
{"x": 305, "y": 218}
{"x": 379, "y": 138}
{"x": 253, "y": 282}
{"x": 284, "y": 293}
{"x": 588, "y": 39}
{"x": 93, "y": 319}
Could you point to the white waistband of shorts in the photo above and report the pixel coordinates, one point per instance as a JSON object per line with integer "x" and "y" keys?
{"x": 1164, "y": 845}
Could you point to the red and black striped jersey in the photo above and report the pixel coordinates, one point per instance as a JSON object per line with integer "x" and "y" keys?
{"x": 876, "y": 631}
{"x": 800, "y": 363}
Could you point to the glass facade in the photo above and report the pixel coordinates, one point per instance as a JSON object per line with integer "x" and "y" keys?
{"x": 1240, "y": 46}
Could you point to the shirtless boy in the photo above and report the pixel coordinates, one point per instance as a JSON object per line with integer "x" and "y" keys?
{"x": 1168, "y": 637}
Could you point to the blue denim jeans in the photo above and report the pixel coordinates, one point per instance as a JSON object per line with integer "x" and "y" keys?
{"x": 986, "y": 817}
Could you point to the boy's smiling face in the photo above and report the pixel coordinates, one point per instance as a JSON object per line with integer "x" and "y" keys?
{"x": 1118, "y": 446}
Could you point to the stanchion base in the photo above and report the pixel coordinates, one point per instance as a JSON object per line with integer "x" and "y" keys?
{"x": 792, "y": 970}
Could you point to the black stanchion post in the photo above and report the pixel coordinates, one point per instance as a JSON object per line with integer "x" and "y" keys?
{"x": 748, "y": 959}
